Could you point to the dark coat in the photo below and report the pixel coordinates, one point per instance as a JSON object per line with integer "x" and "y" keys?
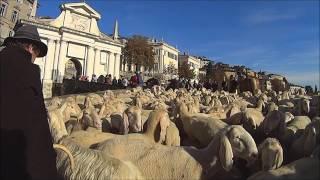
{"x": 233, "y": 86}
{"x": 26, "y": 143}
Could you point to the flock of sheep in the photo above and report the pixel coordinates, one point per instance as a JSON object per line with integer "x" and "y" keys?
{"x": 180, "y": 134}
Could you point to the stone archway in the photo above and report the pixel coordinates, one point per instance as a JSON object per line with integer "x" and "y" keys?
{"x": 73, "y": 69}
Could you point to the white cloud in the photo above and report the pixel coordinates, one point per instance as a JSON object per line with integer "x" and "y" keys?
{"x": 270, "y": 15}
{"x": 304, "y": 78}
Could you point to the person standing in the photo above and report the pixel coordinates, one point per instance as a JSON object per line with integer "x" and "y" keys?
{"x": 224, "y": 84}
{"x": 134, "y": 80}
{"x": 233, "y": 85}
{"x": 120, "y": 82}
{"x": 140, "y": 79}
{"x": 109, "y": 80}
{"x": 114, "y": 82}
{"x": 125, "y": 82}
{"x": 94, "y": 78}
{"x": 26, "y": 143}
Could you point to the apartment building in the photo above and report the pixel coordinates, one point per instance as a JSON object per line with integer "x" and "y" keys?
{"x": 13, "y": 10}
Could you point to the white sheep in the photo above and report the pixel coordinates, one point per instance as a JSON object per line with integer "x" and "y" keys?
{"x": 54, "y": 103}
{"x": 172, "y": 135}
{"x": 112, "y": 106}
{"x": 290, "y": 132}
{"x": 134, "y": 119}
{"x": 59, "y": 116}
{"x": 252, "y": 119}
{"x": 92, "y": 164}
{"x": 307, "y": 142}
{"x": 96, "y": 99}
{"x": 169, "y": 162}
{"x": 200, "y": 127}
{"x": 275, "y": 122}
{"x": 305, "y": 168}
{"x": 87, "y": 163}
{"x": 90, "y": 116}
{"x": 275, "y": 125}
{"x": 271, "y": 153}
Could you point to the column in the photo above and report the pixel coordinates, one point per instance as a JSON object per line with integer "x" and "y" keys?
{"x": 111, "y": 64}
{"x": 121, "y": 69}
{"x": 90, "y": 62}
{"x": 97, "y": 57}
{"x": 116, "y": 65}
{"x": 47, "y": 78}
{"x": 107, "y": 63}
{"x": 56, "y": 60}
{"x": 161, "y": 61}
{"x": 49, "y": 61}
{"x": 62, "y": 62}
{"x": 126, "y": 67}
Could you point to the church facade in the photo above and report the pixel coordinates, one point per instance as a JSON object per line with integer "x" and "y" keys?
{"x": 76, "y": 46}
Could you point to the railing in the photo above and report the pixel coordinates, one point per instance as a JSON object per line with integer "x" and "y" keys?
{"x": 70, "y": 86}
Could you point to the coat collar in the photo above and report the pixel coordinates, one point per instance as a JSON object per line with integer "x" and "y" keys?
{"x": 23, "y": 52}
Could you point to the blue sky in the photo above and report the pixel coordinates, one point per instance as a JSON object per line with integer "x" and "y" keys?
{"x": 278, "y": 36}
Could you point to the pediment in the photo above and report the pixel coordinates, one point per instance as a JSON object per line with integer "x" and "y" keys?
{"x": 82, "y": 8}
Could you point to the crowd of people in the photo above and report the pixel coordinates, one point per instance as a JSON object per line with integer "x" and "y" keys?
{"x": 137, "y": 80}
{"x": 231, "y": 85}
{"x": 122, "y": 82}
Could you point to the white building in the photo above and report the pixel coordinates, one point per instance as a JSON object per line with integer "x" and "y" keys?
{"x": 193, "y": 61}
{"x": 165, "y": 55}
{"x": 13, "y": 10}
{"x": 76, "y": 46}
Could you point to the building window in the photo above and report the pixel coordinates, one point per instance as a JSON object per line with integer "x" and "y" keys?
{"x": 14, "y": 16}
{"x": 3, "y": 8}
{"x": 172, "y": 56}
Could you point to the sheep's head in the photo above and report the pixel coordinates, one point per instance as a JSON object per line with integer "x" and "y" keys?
{"x": 311, "y": 136}
{"x": 272, "y": 106}
{"x": 133, "y": 114}
{"x": 288, "y": 117}
{"x": 272, "y": 121}
{"x": 96, "y": 99}
{"x": 305, "y": 105}
{"x": 251, "y": 120}
{"x": 88, "y": 103}
{"x": 72, "y": 109}
{"x": 271, "y": 154}
{"x": 55, "y": 102}
{"x": 235, "y": 141}
{"x": 109, "y": 95}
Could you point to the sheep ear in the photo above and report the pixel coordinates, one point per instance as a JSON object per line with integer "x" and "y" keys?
{"x": 282, "y": 125}
{"x": 278, "y": 159}
{"x": 225, "y": 153}
{"x": 310, "y": 141}
{"x": 261, "y": 146}
{"x": 164, "y": 124}
{"x": 125, "y": 123}
{"x": 86, "y": 102}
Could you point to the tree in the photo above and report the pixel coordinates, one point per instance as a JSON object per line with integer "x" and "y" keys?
{"x": 309, "y": 89}
{"x": 139, "y": 52}
{"x": 209, "y": 71}
{"x": 185, "y": 71}
{"x": 170, "y": 69}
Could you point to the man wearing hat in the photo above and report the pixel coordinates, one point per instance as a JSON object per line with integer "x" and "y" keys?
{"x": 26, "y": 143}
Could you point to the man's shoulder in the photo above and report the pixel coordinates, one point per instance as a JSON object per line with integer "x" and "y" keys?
{"x": 15, "y": 55}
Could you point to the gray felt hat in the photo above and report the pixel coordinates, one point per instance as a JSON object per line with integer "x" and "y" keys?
{"x": 29, "y": 33}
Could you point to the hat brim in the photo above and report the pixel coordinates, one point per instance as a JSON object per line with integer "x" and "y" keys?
{"x": 42, "y": 46}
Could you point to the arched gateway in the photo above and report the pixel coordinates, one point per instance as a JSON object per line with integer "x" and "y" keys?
{"x": 73, "y": 69}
